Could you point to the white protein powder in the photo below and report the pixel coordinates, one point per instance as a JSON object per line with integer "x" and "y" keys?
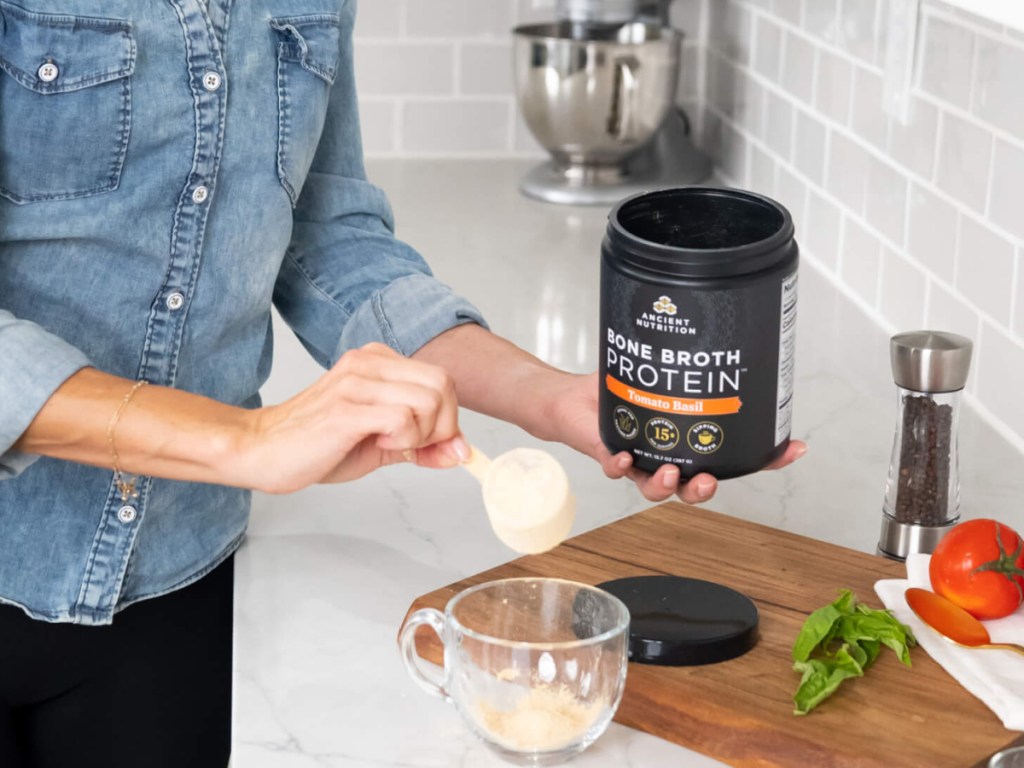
{"x": 545, "y": 719}
{"x": 526, "y": 494}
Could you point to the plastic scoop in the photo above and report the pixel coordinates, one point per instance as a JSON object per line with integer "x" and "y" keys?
{"x": 527, "y": 498}
{"x": 953, "y": 622}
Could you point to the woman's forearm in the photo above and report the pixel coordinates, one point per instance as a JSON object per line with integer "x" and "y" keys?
{"x": 162, "y": 432}
{"x": 495, "y": 377}
{"x": 372, "y": 408}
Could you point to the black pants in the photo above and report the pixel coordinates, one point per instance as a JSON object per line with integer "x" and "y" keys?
{"x": 153, "y": 689}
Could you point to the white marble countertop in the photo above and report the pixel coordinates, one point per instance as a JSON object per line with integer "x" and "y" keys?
{"x": 325, "y": 576}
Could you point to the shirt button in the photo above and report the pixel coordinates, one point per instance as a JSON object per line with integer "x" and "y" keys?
{"x": 175, "y": 301}
{"x": 211, "y": 81}
{"x": 48, "y": 72}
{"x": 199, "y": 194}
{"x": 126, "y": 514}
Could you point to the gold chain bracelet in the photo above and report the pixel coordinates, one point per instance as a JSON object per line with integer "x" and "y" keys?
{"x": 126, "y": 486}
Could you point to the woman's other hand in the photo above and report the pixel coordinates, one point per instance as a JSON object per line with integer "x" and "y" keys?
{"x": 575, "y": 412}
{"x": 373, "y": 408}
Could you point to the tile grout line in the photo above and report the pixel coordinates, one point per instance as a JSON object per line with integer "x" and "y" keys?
{"x": 879, "y": 154}
{"x": 861, "y": 220}
{"x": 823, "y": 44}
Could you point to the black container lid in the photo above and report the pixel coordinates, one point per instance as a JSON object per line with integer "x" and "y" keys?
{"x": 676, "y": 621}
{"x": 701, "y": 232}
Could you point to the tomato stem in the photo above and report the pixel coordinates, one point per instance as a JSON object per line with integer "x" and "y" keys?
{"x": 1006, "y": 563}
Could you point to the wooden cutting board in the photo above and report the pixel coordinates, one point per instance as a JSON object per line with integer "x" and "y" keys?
{"x": 740, "y": 711}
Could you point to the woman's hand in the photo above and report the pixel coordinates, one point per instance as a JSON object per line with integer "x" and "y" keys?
{"x": 574, "y": 413}
{"x": 373, "y": 408}
{"x": 495, "y": 377}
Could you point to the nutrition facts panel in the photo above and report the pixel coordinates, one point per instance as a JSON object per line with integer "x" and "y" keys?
{"x": 787, "y": 352}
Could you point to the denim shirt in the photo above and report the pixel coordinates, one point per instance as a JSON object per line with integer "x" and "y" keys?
{"x": 170, "y": 169}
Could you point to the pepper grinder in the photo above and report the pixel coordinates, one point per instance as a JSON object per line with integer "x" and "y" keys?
{"x": 922, "y": 492}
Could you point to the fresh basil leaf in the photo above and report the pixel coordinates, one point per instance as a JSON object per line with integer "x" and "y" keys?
{"x": 845, "y": 602}
{"x": 841, "y": 640}
{"x": 879, "y": 626}
{"x": 815, "y": 631}
{"x": 820, "y": 678}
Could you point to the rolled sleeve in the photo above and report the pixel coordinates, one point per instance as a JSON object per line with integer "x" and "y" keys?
{"x": 406, "y": 315}
{"x": 346, "y": 280}
{"x": 35, "y": 364}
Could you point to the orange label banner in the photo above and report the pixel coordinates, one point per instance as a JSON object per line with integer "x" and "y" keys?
{"x": 716, "y": 406}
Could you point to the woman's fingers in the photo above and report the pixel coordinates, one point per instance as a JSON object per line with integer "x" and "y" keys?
{"x": 794, "y": 451}
{"x": 375, "y": 375}
{"x": 443, "y": 455}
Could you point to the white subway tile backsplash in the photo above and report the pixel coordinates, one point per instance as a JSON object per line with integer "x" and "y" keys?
{"x": 458, "y": 18}
{"x": 786, "y": 97}
{"x": 902, "y": 298}
{"x": 881, "y": 32}
{"x": 964, "y": 160}
{"x": 689, "y": 76}
{"x": 1006, "y": 196}
{"x": 821, "y": 19}
{"x": 1000, "y": 363}
{"x": 791, "y": 191}
{"x": 789, "y": 10}
{"x": 821, "y": 229}
{"x": 767, "y": 48}
{"x": 857, "y": 29}
{"x": 379, "y": 18}
{"x": 729, "y": 30}
{"x": 913, "y": 145}
{"x": 733, "y": 151}
{"x": 834, "y": 86}
{"x": 1018, "y": 297}
{"x": 809, "y": 147}
{"x": 377, "y": 123}
{"x": 485, "y": 68}
{"x": 931, "y": 232}
{"x": 415, "y": 68}
{"x": 985, "y": 269}
{"x": 885, "y": 201}
{"x": 798, "y": 67}
{"x": 441, "y": 127}
{"x": 861, "y": 260}
{"x": 685, "y": 15}
{"x": 531, "y": 11}
{"x": 723, "y": 92}
{"x": 948, "y": 312}
{"x": 867, "y": 120}
{"x": 762, "y": 171}
{"x": 998, "y": 91}
{"x": 778, "y": 125}
{"x": 846, "y": 175}
{"x": 522, "y": 139}
{"x": 947, "y": 56}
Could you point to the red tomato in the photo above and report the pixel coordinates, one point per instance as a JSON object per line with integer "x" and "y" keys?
{"x": 979, "y": 565}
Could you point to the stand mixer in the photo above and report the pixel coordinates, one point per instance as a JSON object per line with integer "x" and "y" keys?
{"x": 597, "y": 89}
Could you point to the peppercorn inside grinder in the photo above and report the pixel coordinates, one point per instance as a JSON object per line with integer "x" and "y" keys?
{"x": 922, "y": 492}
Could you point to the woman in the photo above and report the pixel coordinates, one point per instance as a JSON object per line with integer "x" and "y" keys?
{"x": 170, "y": 170}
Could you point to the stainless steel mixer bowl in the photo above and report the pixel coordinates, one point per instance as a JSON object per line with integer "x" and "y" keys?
{"x": 598, "y": 100}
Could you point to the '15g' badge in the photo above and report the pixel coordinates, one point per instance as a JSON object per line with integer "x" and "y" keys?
{"x": 662, "y": 433}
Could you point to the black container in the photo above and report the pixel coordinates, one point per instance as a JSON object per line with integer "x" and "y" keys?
{"x": 698, "y": 321}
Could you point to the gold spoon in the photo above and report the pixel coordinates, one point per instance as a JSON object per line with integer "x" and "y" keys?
{"x": 953, "y": 622}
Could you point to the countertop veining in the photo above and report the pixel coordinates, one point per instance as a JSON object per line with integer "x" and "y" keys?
{"x": 325, "y": 576}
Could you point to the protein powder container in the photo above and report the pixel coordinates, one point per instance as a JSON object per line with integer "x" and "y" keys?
{"x": 698, "y": 330}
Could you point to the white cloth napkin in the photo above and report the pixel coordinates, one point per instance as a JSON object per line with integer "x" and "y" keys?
{"x": 995, "y": 677}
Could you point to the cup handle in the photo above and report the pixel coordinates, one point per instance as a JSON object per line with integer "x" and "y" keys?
{"x": 407, "y": 644}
